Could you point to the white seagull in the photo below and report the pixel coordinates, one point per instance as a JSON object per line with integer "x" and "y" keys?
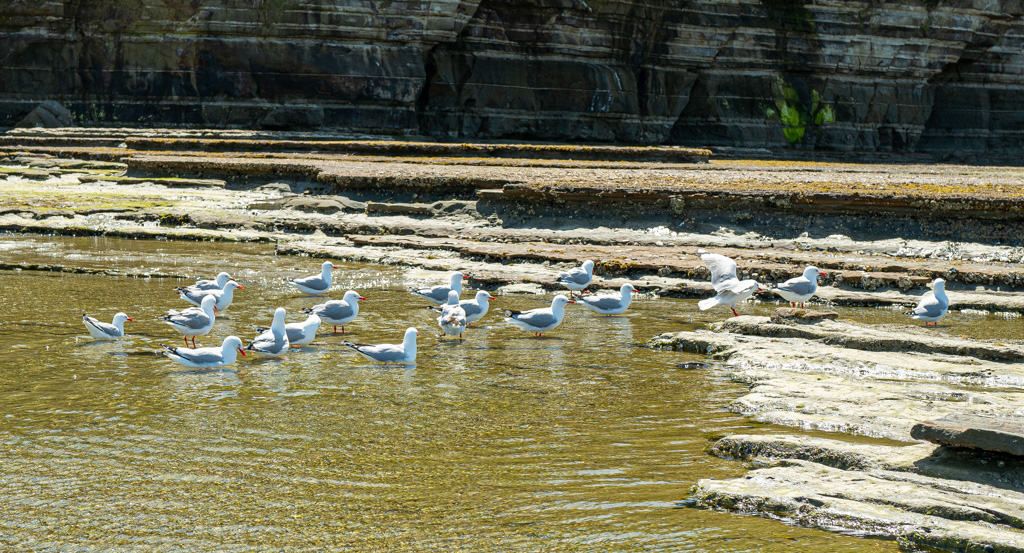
{"x": 578, "y": 278}
{"x": 337, "y": 312}
{"x": 272, "y": 342}
{"x": 223, "y": 297}
{"x": 194, "y": 321}
{"x": 453, "y": 318}
{"x": 390, "y": 353}
{"x": 800, "y": 289}
{"x": 300, "y": 334}
{"x": 215, "y": 284}
{"x": 541, "y": 319}
{"x": 730, "y": 289}
{"x": 933, "y": 306}
{"x": 475, "y": 308}
{"x": 207, "y": 358}
{"x": 317, "y": 284}
{"x": 439, "y": 294}
{"x": 106, "y": 331}
{"x": 611, "y": 304}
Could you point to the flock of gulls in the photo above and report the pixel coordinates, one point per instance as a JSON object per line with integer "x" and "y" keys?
{"x": 455, "y": 315}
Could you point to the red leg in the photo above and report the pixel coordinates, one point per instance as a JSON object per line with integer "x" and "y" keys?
{"x": 186, "y": 341}
{"x": 734, "y": 311}
{"x": 342, "y": 329}
{"x": 335, "y": 329}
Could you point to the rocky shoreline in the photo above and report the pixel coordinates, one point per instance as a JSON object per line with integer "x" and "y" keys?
{"x": 514, "y": 216}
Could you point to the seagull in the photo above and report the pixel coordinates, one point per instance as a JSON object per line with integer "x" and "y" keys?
{"x": 207, "y": 358}
{"x": 475, "y": 308}
{"x": 801, "y": 288}
{"x": 439, "y": 294}
{"x": 578, "y": 278}
{"x": 390, "y": 353}
{"x": 611, "y": 304}
{"x": 337, "y": 312}
{"x": 300, "y": 334}
{"x": 194, "y": 321}
{"x": 933, "y": 306}
{"x": 274, "y": 341}
{"x": 317, "y": 284}
{"x": 216, "y": 284}
{"x": 105, "y": 331}
{"x": 541, "y": 319}
{"x": 223, "y": 297}
{"x": 731, "y": 290}
{"x": 453, "y": 317}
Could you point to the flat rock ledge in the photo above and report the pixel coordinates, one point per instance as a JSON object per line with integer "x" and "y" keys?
{"x": 988, "y": 434}
{"x": 922, "y": 495}
{"x": 825, "y": 374}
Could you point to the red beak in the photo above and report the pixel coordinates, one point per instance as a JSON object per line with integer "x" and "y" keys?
{"x": 362, "y": 298}
{"x": 824, "y": 274}
{"x": 131, "y": 319}
{"x": 572, "y": 301}
{"x": 490, "y": 297}
{"x": 334, "y": 266}
{"x": 242, "y": 352}
{"x": 465, "y": 277}
{"x": 241, "y": 287}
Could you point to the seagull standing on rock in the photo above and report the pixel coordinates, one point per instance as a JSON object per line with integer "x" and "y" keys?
{"x": 933, "y": 306}
{"x": 194, "y": 321}
{"x": 453, "y": 317}
{"x": 316, "y": 285}
{"x": 610, "y": 304}
{"x": 272, "y": 342}
{"x": 730, "y": 290}
{"x": 542, "y": 319}
{"x": 439, "y": 294}
{"x": 207, "y": 358}
{"x": 389, "y": 353}
{"x": 106, "y": 331}
{"x": 801, "y": 288}
{"x": 337, "y": 312}
{"x": 578, "y": 278}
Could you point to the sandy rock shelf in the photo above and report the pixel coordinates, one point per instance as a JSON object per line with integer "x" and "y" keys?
{"x": 878, "y": 382}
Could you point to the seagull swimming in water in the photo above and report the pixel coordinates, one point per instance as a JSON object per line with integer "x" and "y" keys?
{"x": 215, "y": 284}
{"x": 272, "y": 342}
{"x": 610, "y": 304}
{"x": 106, "y": 331}
{"x": 207, "y": 358}
{"x": 730, "y": 290}
{"x": 389, "y": 353}
{"x": 439, "y": 294}
{"x": 317, "y": 284}
{"x": 223, "y": 297}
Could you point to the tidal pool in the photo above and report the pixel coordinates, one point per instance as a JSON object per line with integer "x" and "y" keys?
{"x": 501, "y": 442}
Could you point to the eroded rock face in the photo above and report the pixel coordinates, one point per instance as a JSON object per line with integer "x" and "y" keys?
{"x": 840, "y": 75}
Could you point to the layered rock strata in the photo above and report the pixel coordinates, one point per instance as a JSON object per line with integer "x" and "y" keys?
{"x": 875, "y": 381}
{"x": 945, "y": 76}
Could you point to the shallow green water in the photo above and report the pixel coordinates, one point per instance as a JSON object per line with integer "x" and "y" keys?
{"x": 504, "y": 442}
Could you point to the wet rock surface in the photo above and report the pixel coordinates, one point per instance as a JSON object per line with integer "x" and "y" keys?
{"x": 875, "y": 381}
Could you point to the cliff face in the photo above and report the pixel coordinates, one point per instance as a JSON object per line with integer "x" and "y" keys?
{"x": 831, "y": 74}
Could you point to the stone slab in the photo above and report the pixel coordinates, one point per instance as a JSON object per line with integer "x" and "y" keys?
{"x": 986, "y": 433}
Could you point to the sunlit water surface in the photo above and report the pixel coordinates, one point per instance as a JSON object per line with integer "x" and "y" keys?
{"x": 501, "y": 442}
